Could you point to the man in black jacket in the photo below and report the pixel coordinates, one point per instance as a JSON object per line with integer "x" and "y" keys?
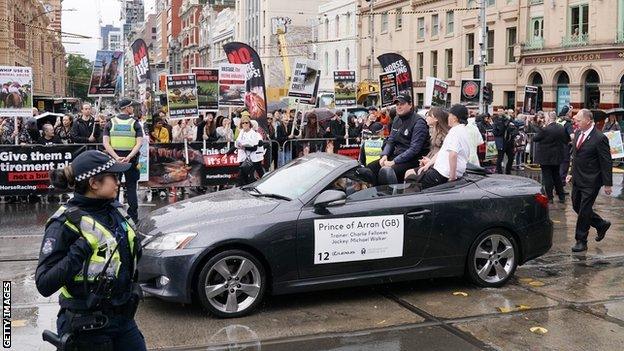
{"x": 85, "y": 129}
{"x": 591, "y": 169}
{"x": 408, "y": 141}
{"x": 505, "y": 133}
{"x": 549, "y": 154}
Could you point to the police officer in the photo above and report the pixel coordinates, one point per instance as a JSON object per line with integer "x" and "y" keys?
{"x": 89, "y": 252}
{"x": 122, "y": 140}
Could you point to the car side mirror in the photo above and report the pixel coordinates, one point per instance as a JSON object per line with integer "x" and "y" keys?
{"x": 330, "y": 198}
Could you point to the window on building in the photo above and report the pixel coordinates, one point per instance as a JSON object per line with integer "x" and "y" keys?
{"x": 470, "y": 46}
{"x": 491, "y": 2}
{"x": 435, "y": 26}
{"x": 420, "y": 100}
{"x": 511, "y": 43}
{"x": 326, "y": 63}
{"x": 326, "y": 30}
{"x": 449, "y": 63}
{"x": 348, "y": 58}
{"x": 450, "y": 22}
{"x": 153, "y": 29}
{"x": 384, "y": 22}
{"x": 579, "y": 21}
{"x": 42, "y": 54}
{"x": 337, "y": 26}
{"x": 471, "y": 3}
{"x": 19, "y": 33}
{"x": 399, "y": 19}
{"x": 337, "y": 59}
{"x": 434, "y": 63}
{"x": 490, "y": 46}
{"x": 421, "y": 28}
{"x": 537, "y": 27}
{"x": 420, "y": 65}
{"x": 348, "y": 24}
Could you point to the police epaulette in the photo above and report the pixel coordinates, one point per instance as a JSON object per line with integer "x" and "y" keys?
{"x": 73, "y": 215}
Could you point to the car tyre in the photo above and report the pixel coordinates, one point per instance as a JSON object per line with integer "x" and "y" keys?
{"x": 492, "y": 259}
{"x": 231, "y": 284}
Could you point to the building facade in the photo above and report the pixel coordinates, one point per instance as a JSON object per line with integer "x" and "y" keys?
{"x": 337, "y": 40}
{"x": 574, "y": 51}
{"x": 190, "y": 14}
{"x": 27, "y": 39}
{"x": 105, "y": 35}
{"x": 443, "y": 43}
{"x": 132, "y": 12}
{"x": 222, "y": 31}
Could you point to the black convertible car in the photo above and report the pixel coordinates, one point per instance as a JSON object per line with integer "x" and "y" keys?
{"x": 317, "y": 223}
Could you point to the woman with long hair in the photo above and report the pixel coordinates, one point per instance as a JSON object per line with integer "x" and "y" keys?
{"x": 210, "y": 129}
{"x": 63, "y": 129}
{"x": 437, "y": 120}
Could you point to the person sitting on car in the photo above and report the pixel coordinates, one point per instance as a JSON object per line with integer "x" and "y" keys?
{"x": 450, "y": 162}
{"x": 437, "y": 120}
{"x": 407, "y": 143}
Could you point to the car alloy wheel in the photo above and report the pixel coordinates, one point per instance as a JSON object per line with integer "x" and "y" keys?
{"x": 493, "y": 260}
{"x": 231, "y": 284}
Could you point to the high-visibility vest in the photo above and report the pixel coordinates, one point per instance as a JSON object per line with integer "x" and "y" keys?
{"x": 372, "y": 150}
{"x": 122, "y": 134}
{"x": 102, "y": 243}
{"x": 561, "y": 122}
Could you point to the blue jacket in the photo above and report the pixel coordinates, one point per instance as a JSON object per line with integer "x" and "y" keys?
{"x": 408, "y": 140}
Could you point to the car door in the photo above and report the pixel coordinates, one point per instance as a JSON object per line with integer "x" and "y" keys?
{"x": 368, "y": 235}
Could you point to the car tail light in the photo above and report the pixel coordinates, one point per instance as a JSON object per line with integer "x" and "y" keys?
{"x": 542, "y": 200}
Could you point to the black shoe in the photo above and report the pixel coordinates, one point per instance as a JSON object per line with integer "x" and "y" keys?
{"x": 603, "y": 231}
{"x": 580, "y": 246}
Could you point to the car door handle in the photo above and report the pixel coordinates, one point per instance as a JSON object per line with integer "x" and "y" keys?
{"x": 418, "y": 214}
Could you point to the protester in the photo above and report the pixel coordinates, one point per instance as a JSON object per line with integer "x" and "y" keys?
{"x": 591, "y": 170}
{"x": 371, "y": 126}
{"x": 386, "y": 118}
{"x": 48, "y": 137}
{"x": 159, "y": 134}
{"x": 475, "y": 139}
{"x": 505, "y": 133}
{"x": 184, "y": 130}
{"x": 9, "y": 132}
{"x": 123, "y": 137}
{"x": 63, "y": 128}
{"x": 611, "y": 125}
{"x": 336, "y": 128}
{"x": 408, "y": 142}
{"x": 85, "y": 129}
{"x": 209, "y": 130}
{"x": 101, "y": 120}
{"x": 225, "y": 134}
{"x": 276, "y": 133}
{"x": 437, "y": 120}
{"x": 550, "y": 145}
{"x": 354, "y": 129}
{"x": 83, "y": 238}
{"x": 450, "y": 162}
{"x": 565, "y": 120}
{"x": 248, "y": 156}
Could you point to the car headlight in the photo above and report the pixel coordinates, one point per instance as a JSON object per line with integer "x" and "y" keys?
{"x": 170, "y": 241}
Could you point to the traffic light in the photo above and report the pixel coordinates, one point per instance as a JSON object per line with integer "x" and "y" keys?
{"x": 487, "y": 93}
{"x": 476, "y": 71}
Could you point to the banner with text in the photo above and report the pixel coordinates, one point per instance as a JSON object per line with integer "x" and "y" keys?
{"x": 388, "y": 88}
{"x": 396, "y": 63}
{"x": 207, "y": 88}
{"x": 16, "y": 91}
{"x": 24, "y": 169}
{"x": 232, "y": 88}
{"x": 345, "y": 89}
{"x": 530, "y": 100}
{"x": 435, "y": 92}
{"x": 182, "y": 96}
{"x": 304, "y": 81}
{"x": 141, "y": 60}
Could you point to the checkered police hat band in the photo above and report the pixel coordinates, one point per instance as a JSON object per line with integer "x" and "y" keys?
{"x": 95, "y": 171}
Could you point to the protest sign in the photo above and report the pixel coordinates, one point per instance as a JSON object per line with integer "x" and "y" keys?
{"x": 232, "y": 88}
{"x": 182, "y": 96}
{"x": 345, "y": 89}
{"x": 207, "y": 88}
{"x": 530, "y": 100}
{"x": 107, "y": 74}
{"x": 435, "y": 92}
{"x": 615, "y": 144}
{"x": 392, "y": 62}
{"x": 304, "y": 81}
{"x": 388, "y": 87}
{"x": 141, "y": 60}
{"x": 16, "y": 91}
{"x": 24, "y": 169}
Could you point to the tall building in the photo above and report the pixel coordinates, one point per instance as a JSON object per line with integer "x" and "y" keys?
{"x": 337, "y": 40}
{"x": 217, "y": 27}
{"x": 27, "y": 38}
{"x": 132, "y": 12}
{"x": 190, "y": 14}
{"x": 110, "y": 33}
{"x": 174, "y": 26}
{"x": 573, "y": 51}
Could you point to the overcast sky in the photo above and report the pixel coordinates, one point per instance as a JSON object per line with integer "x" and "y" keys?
{"x": 84, "y": 21}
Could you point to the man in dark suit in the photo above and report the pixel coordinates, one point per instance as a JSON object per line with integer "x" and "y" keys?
{"x": 549, "y": 154}
{"x": 591, "y": 169}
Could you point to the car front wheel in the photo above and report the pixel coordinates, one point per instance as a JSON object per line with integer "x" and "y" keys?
{"x": 493, "y": 258}
{"x": 231, "y": 284}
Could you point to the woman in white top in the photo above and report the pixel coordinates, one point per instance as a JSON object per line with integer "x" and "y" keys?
{"x": 247, "y": 145}
{"x": 183, "y": 130}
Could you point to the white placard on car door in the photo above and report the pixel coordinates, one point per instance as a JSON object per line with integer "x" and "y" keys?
{"x": 358, "y": 238}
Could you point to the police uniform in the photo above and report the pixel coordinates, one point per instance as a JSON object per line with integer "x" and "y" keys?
{"x": 123, "y": 131}
{"x": 89, "y": 252}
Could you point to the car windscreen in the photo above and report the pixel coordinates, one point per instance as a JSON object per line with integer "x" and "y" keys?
{"x": 296, "y": 178}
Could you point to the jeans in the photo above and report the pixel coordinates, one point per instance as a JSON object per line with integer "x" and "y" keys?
{"x": 132, "y": 180}
{"x": 399, "y": 169}
{"x": 123, "y": 332}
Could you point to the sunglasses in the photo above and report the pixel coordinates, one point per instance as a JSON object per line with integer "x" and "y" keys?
{"x": 244, "y": 122}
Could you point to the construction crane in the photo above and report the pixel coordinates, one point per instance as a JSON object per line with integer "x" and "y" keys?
{"x": 279, "y": 28}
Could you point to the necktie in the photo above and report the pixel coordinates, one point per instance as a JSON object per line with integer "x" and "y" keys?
{"x": 580, "y": 141}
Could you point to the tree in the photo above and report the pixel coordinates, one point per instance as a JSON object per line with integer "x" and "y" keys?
{"x": 78, "y": 76}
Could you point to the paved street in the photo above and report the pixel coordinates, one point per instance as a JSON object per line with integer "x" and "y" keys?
{"x": 578, "y": 300}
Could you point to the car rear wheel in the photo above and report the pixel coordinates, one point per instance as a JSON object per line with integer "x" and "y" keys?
{"x": 493, "y": 258}
{"x": 231, "y": 284}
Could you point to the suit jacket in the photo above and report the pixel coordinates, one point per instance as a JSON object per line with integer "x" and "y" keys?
{"x": 591, "y": 163}
{"x": 550, "y": 143}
